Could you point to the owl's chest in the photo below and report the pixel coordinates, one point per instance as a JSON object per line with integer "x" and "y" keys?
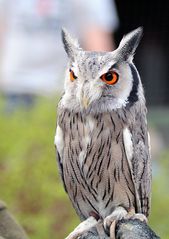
{"x": 91, "y": 130}
{"x": 93, "y": 158}
{"x": 93, "y": 143}
{"x": 86, "y": 138}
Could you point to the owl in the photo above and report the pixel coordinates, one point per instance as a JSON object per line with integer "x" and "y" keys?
{"x": 101, "y": 138}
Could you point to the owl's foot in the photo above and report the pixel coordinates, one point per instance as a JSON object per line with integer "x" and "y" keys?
{"x": 132, "y": 215}
{"x": 118, "y": 214}
{"x": 140, "y": 217}
{"x": 82, "y": 228}
{"x": 110, "y": 221}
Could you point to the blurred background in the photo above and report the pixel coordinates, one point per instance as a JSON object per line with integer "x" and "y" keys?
{"x": 32, "y": 62}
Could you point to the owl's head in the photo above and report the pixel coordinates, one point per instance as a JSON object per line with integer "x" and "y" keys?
{"x": 102, "y": 81}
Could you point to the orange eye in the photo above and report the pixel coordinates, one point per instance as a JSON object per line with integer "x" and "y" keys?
{"x": 72, "y": 75}
{"x": 110, "y": 77}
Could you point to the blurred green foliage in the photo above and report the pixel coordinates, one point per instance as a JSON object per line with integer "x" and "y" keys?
{"x": 29, "y": 180}
{"x": 159, "y": 218}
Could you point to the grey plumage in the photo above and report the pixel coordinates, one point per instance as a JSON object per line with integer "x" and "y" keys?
{"x": 101, "y": 137}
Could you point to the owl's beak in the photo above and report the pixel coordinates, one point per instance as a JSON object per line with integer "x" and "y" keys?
{"x": 85, "y": 102}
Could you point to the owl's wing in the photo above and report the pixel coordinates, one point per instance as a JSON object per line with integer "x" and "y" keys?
{"x": 59, "y": 144}
{"x": 136, "y": 142}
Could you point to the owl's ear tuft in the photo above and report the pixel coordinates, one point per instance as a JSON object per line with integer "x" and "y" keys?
{"x": 71, "y": 45}
{"x": 129, "y": 43}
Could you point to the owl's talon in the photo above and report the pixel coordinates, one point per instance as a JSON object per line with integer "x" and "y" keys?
{"x": 140, "y": 217}
{"x": 112, "y": 230}
{"x": 107, "y": 226}
{"x": 116, "y": 215}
